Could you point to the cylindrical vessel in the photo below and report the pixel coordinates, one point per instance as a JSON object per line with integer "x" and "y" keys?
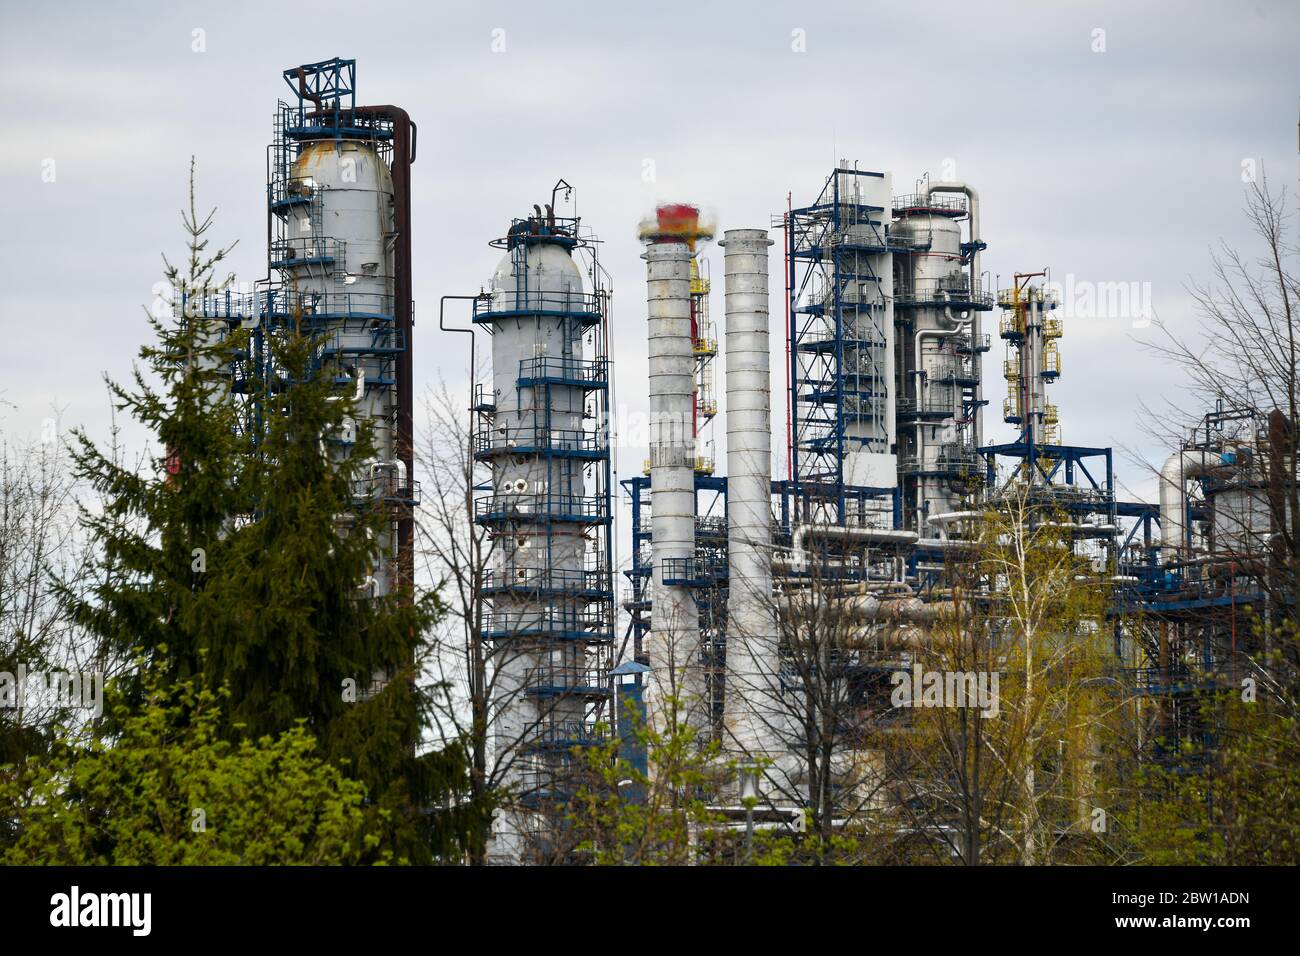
{"x": 935, "y": 371}
{"x": 337, "y": 261}
{"x": 534, "y": 564}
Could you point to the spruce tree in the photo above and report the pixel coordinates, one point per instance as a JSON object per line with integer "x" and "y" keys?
{"x": 310, "y": 641}
{"x": 160, "y": 528}
{"x": 240, "y": 559}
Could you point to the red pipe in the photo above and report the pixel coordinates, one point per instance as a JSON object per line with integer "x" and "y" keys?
{"x": 789, "y": 325}
{"x": 404, "y": 146}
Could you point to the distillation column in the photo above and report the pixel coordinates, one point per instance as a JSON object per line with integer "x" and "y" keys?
{"x": 548, "y": 589}
{"x": 939, "y": 361}
{"x": 340, "y": 247}
{"x": 752, "y": 642}
{"x": 1033, "y": 359}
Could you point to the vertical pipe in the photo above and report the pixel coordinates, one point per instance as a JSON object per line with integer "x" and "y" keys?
{"x": 751, "y": 617}
{"x": 789, "y": 336}
{"x": 404, "y": 146}
{"x": 673, "y": 641}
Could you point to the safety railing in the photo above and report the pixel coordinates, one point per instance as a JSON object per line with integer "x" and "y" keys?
{"x": 591, "y": 623}
{"x": 693, "y": 572}
{"x": 387, "y": 487}
{"x": 536, "y": 302}
{"x": 909, "y": 243}
{"x": 710, "y": 526}
{"x": 958, "y": 458}
{"x": 285, "y": 304}
{"x": 1051, "y": 361}
{"x": 307, "y": 251}
{"x": 528, "y": 507}
{"x": 291, "y": 190}
{"x": 378, "y": 340}
{"x": 929, "y": 406}
{"x": 954, "y": 370}
{"x": 972, "y": 343}
{"x": 565, "y": 735}
{"x": 561, "y": 370}
{"x": 1017, "y": 298}
{"x": 945, "y": 203}
{"x": 506, "y": 440}
{"x": 956, "y": 291}
{"x": 578, "y": 582}
{"x": 587, "y": 677}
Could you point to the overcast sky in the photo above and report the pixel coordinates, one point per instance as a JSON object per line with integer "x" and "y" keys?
{"x": 1107, "y": 141}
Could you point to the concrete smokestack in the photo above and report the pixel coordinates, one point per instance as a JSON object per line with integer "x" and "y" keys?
{"x": 673, "y": 644}
{"x": 751, "y": 616}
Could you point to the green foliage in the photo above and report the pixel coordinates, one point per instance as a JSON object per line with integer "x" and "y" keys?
{"x": 849, "y": 847}
{"x": 1238, "y": 805}
{"x": 169, "y": 789}
{"x": 1016, "y": 785}
{"x": 241, "y": 561}
{"x": 624, "y": 816}
{"x": 149, "y": 524}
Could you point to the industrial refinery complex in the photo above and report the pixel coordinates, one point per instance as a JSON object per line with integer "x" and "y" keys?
{"x": 860, "y": 326}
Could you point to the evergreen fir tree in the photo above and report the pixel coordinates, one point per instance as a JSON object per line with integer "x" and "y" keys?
{"x": 241, "y": 560}
{"x": 161, "y": 529}
{"x": 310, "y": 641}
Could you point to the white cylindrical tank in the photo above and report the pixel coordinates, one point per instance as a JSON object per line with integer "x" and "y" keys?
{"x": 338, "y": 263}
{"x": 929, "y": 276}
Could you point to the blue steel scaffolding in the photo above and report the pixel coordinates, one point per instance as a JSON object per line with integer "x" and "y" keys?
{"x": 839, "y": 361}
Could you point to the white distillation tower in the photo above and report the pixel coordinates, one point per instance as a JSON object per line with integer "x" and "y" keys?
{"x": 548, "y": 591}
{"x": 336, "y": 264}
{"x": 937, "y": 296}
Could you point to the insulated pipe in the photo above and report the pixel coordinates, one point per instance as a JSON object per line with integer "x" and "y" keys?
{"x": 673, "y": 641}
{"x": 922, "y": 386}
{"x": 973, "y": 202}
{"x": 1180, "y": 466}
{"x": 752, "y": 645}
{"x": 870, "y": 609}
{"x": 802, "y": 533}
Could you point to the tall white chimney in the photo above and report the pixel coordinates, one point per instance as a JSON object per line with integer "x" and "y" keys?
{"x": 752, "y": 662}
{"x": 673, "y": 644}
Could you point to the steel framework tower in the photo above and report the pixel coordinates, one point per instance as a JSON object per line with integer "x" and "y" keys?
{"x": 1033, "y": 359}
{"x": 842, "y": 341}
